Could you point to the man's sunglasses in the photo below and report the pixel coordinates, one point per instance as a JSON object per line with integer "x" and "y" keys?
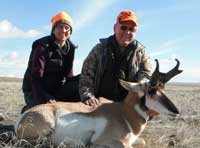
{"x": 125, "y": 28}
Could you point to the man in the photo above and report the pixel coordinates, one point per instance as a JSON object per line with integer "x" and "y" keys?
{"x": 49, "y": 76}
{"x": 119, "y": 56}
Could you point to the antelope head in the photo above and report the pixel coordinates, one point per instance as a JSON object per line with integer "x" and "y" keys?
{"x": 152, "y": 98}
{"x": 159, "y": 78}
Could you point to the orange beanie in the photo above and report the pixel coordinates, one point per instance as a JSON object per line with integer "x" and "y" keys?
{"x": 62, "y": 16}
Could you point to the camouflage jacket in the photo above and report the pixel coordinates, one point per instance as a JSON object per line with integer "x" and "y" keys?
{"x": 94, "y": 66}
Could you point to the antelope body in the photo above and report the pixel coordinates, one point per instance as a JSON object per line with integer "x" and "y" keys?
{"x": 111, "y": 124}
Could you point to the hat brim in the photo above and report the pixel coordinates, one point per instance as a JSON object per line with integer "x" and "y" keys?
{"x": 128, "y": 20}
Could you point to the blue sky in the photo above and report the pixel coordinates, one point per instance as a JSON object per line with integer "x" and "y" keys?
{"x": 168, "y": 29}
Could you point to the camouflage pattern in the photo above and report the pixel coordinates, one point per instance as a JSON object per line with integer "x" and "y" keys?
{"x": 94, "y": 66}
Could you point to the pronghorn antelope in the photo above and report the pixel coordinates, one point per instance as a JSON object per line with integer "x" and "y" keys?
{"x": 111, "y": 124}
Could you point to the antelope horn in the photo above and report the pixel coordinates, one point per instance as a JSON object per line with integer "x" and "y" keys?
{"x": 156, "y": 75}
{"x": 165, "y": 77}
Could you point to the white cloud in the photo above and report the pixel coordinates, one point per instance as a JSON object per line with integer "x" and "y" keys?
{"x": 13, "y": 55}
{"x": 8, "y": 30}
{"x": 10, "y": 56}
{"x": 172, "y": 45}
{"x": 166, "y": 47}
{"x": 89, "y": 11}
{"x": 10, "y": 59}
{"x": 11, "y": 64}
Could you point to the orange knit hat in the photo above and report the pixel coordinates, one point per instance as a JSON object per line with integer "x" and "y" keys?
{"x": 62, "y": 16}
{"x": 127, "y": 15}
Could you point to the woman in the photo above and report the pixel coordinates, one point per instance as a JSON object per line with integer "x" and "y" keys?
{"x": 49, "y": 75}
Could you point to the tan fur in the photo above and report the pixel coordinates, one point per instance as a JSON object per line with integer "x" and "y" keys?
{"x": 42, "y": 119}
{"x": 131, "y": 115}
{"x": 123, "y": 123}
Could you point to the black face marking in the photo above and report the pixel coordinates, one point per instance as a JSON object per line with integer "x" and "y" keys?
{"x": 168, "y": 104}
{"x": 152, "y": 91}
{"x": 143, "y": 103}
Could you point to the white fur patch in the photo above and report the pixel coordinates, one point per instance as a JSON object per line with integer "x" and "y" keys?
{"x": 77, "y": 129}
{"x": 140, "y": 93}
{"x": 133, "y": 136}
{"x": 154, "y": 104}
{"x": 140, "y": 89}
{"x": 99, "y": 126}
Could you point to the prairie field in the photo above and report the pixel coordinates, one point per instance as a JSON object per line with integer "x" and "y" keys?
{"x": 182, "y": 131}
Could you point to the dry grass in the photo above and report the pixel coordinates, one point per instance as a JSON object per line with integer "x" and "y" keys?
{"x": 161, "y": 132}
{"x": 11, "y": 99}
{"x": 182, "y": 131}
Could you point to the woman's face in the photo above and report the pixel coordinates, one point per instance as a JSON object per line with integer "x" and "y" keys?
{"x": 62, "y": 32}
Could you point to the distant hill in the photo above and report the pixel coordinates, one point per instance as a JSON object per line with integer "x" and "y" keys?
{"x": 10, "y": 79}
{"x": 184, "y": 83}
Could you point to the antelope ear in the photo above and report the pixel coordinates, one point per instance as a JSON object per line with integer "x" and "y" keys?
{"x": 129, "y": 85}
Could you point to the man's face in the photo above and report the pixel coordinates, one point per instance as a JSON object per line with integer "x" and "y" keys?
{"x": 125, "y": 33}
{"x": 62, "y": 32}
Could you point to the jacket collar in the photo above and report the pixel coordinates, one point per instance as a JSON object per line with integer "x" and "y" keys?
{"x": 68, "y": 42}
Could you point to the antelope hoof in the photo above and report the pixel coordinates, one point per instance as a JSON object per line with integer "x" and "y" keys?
{"x": 140, "y": 143}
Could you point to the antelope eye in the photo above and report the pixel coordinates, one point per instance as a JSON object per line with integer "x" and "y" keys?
{"x": 152, "y": 91}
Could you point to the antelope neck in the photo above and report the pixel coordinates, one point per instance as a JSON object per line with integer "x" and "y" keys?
{"x": 143, "y": 104}
{"x": 141, "y": 112}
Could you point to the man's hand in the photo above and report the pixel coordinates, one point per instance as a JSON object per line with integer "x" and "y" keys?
{"x": 92, "y": 101}
{"x": 51, "y": 101}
